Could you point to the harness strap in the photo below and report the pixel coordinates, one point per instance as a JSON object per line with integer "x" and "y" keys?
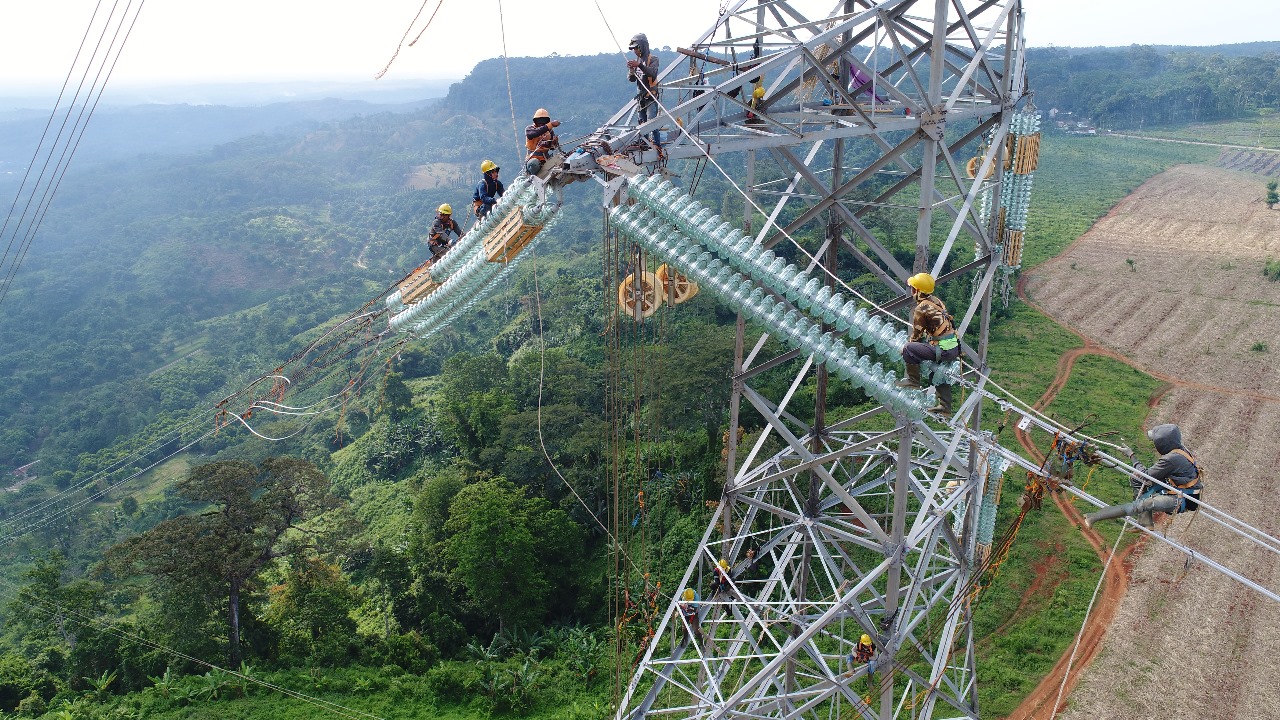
{"x": 1193, "y": 481}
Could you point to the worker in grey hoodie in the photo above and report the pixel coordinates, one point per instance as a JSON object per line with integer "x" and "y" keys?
{"x": 643, "y": 71}
{"x": 1176, "y": 467}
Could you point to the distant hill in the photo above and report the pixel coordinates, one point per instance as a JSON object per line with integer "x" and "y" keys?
{"x": 116, "y": 132}
{"x": 1232, "y": 50}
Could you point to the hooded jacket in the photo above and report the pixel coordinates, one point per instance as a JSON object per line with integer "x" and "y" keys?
{"x": 646, "y": 74}
{"x": 1173, "y": 466}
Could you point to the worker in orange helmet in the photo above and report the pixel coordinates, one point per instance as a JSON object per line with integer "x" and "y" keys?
{"x": 540, "y": 141}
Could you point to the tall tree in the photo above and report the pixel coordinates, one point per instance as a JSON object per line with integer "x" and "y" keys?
{"x": 251, "y": 510}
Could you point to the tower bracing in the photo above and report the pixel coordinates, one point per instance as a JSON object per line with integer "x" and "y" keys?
{"x": 871, "y": 140}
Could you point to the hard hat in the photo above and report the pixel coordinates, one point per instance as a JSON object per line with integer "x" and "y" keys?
{"x": 636, "y": 40}
{"x": 541, "y": 112}
{"x": 724, "y": 564}
{"x": 688, "y": 594}
{"x": 445, "y": 209}
{"x": 865, "y": 639}
{"x": 922, "y": 282}
{"x": 758, "y": 93}
{"x": 488, "y": 165}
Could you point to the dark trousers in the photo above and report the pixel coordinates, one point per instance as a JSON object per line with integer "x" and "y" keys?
{"x": 649, "y": 110}
{"x": 914, "y": 353}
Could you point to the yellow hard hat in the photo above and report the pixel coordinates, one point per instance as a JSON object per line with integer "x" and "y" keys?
{"x": 688, "y": 594}
{"x": 865, "y": 639}
{"x": 488, "y": 165}
{"x": 445, "y": 209}
{"x": 758, "y": 93}
{"x": 724, "y": 564}
{"x": 542, "y": 112}
{"x": 922, "y": 282}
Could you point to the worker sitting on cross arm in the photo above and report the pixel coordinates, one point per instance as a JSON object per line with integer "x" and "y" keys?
{"x": 1176, "y": 467}
{"x": 933, "y": 337}
{"x": 438, "y": 239}
{"x": 864, "y": 653}
{"x": 540, "y": 140}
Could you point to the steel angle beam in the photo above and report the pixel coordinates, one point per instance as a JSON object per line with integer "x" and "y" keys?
{"x": 836, "y": 523}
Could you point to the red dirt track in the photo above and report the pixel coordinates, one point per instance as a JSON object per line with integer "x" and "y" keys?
{"x": 1170, "y": 280}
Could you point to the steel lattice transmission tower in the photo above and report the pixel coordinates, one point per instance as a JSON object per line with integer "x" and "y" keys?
{"x": 868, "y": 524}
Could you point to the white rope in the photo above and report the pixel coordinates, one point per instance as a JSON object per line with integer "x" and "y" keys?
{"x": 1053, "y": 712}
{"x": 506, "y": 63}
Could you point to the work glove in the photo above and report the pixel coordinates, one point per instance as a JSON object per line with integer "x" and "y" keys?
{"x": 633, "y": 64}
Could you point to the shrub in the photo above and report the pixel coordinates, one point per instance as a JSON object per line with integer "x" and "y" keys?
{"x": 1272, "y": 270}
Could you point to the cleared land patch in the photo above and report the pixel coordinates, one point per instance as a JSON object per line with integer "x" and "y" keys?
{"x": 1187, "y": 642}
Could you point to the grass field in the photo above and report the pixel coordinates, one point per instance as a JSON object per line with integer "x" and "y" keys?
{"x": 1261, "y": 131}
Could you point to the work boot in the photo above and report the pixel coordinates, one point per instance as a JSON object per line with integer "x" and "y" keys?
{"x": 943, "y": 408}
{"x": 912, "y": 380}
{"x": 1144, "y": 519}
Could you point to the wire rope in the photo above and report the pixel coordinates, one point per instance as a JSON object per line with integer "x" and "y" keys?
{"x": 1053, "y": 711}
{"x": 408, "y": 30}
{"x": 73, "y": 142}
{"x": 506, "y": 64}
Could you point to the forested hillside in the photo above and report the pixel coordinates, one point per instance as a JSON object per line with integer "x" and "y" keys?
{"x": 1144, "y": 86}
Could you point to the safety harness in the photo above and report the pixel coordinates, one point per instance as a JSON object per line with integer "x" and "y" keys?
{"x": 1193, "y": 481}
{"x": 539, "y": 146}
{"x": 945, "y": 339}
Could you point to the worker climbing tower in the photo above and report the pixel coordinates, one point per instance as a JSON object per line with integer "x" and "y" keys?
{"x": 852, "y": 129}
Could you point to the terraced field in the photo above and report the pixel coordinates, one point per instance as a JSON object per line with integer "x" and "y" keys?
{"x": 1172, "y": 279}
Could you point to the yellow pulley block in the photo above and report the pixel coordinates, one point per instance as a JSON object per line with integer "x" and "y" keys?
{"x": 639, "y": 299}
{"x": 676, "y": 288}
{"x": 971, "y": 168}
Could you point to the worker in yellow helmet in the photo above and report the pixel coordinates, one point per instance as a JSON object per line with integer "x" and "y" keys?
{"x": 489, "y": 189}
{"x": 438, "y": 239}
{"x": 721, "y": 582}
{"x": 540, "y": 141}
{"x": 865, "y": 653}
{"x": 933, "y": 338}
{"x": 689, "y": 611}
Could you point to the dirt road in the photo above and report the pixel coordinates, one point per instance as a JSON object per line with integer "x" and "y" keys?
{"x": 1171, "y": 282}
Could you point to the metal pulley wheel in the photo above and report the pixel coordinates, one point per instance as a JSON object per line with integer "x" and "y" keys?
{"x": 676, "y": 288}
{"x": 639, "y": 299}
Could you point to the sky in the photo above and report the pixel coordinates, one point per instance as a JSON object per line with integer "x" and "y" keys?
{"x": 179, "y": 42}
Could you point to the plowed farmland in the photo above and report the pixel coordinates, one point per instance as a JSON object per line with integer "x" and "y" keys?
{"x": 1172, "y": 279}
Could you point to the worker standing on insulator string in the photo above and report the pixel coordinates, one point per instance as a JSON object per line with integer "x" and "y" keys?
{"x": 540, "y": 140}
{"x": 489, "y": 189}
{"x": 1176, "y": 467}
{"x": 933, "y": 337}
{"x": 438, "y": 239}
{"x": 643, "y": 71}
